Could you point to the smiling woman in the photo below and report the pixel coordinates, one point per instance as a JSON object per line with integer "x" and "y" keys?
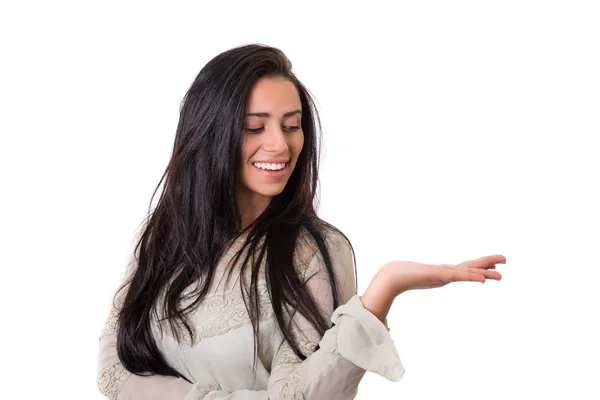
{"x": 236, "y": 289}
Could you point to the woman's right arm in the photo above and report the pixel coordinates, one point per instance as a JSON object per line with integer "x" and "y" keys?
{"x": 115, "y": 382}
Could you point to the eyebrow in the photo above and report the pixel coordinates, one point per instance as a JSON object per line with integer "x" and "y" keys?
{"x": 267, "y": 115}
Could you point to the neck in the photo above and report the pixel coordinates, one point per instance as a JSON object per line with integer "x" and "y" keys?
{"x": 251, "y": 205}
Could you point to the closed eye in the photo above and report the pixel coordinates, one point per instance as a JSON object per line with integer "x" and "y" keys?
{"x": 287, "y": 128}
{"x": 256, "y": 130}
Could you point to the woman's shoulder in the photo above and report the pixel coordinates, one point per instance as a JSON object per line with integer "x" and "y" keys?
{"x": 308, "y": 253}
{"x": 333, "y": 236}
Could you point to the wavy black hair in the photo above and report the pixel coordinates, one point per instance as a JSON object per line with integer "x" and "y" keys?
{"x": 196, "y": 218}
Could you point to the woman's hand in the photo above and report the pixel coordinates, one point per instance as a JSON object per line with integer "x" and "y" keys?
{"x": 397, "y": 277}
{"x": 407, "y": 275}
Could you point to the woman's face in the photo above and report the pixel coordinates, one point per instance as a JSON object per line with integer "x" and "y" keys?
{"x": 272, "y": 137}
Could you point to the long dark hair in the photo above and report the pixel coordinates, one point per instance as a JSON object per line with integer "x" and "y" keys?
{"x": 196, "y": 218}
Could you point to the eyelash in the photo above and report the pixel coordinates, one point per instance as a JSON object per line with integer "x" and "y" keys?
{"x": 287, "y": 128}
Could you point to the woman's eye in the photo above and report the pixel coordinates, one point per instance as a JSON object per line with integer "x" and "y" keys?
{"x": 287, "y": 128}
{"x": 255, "y": 130}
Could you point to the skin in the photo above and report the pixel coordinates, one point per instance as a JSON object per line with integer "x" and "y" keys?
{"x": 397, "y": 277}
{"x": 281, "y": 136}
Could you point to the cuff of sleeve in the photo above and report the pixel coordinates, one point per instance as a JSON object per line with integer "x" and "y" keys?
{"x": 363, "y": 339}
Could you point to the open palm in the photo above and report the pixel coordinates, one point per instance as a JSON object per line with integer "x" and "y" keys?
{"x": 408, "y": 275}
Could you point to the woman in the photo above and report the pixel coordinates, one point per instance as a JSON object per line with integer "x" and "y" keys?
{"x": 237, "y": 289}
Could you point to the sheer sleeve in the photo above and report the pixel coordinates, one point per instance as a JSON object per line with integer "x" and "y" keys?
{"x": 357, "y": 342}
{"x": 115, "y": 382}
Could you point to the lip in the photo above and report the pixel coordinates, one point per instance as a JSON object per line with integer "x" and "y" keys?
{"x": 273, "y": 161}
{"x": 273, "y": 174}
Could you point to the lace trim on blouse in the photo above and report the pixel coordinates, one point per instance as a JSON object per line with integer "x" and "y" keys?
{"x": 111, "y": 380}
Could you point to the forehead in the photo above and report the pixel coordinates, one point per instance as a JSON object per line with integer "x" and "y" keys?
{"x": 273, "y": 95}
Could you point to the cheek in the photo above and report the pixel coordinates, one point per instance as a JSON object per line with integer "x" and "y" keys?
{"x": 248, "y": 148}
{"x": 296, "y": 141}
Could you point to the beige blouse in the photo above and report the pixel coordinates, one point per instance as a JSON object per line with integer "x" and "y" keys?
{"x": 218, "y": 359}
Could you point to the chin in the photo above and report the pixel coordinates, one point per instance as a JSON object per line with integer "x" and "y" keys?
{"x": 270, "y": 193}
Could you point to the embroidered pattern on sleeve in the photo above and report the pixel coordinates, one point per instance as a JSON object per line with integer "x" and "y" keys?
{"x": 286, "y": 356}
{"x": 111, "y": 380}
{"x": 291, "y": 389}
{"x": 110, "y": 326}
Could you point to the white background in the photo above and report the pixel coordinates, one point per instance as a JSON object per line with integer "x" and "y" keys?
{"x": 453, "y": 130}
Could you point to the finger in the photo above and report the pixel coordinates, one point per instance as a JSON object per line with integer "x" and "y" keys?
{"x": 484, "y": 266}
{"x": 487, "y": 273}
{"x": 464, "y": 275}
{"x": 484, "y": 261}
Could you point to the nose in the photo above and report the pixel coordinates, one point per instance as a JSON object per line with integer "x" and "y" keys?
{"x": 275, "y": 140}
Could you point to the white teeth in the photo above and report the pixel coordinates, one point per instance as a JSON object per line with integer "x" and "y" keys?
{"x": 268, "y": 166}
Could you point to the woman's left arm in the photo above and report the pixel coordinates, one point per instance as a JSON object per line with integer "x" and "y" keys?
{"x": 357, "y": 342}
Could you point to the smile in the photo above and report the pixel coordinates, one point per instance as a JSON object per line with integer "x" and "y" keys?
{"x": 273, "y": 173}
